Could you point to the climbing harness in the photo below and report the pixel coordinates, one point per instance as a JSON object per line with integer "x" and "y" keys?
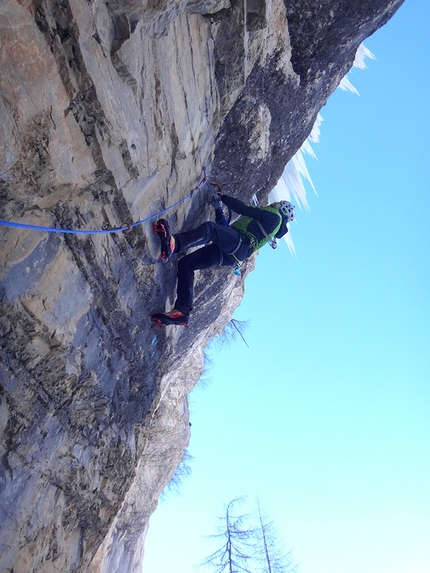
{"x": 125, "y": 226}
{"x": 237, "y": 267}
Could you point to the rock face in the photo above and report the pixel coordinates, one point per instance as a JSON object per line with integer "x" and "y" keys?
{"x": 108, "y": 112}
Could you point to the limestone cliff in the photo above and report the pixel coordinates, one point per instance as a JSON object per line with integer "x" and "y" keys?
{"x": 109, "y": 110}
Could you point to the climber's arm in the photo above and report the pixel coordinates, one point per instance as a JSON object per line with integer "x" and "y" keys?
{"x": 239, "y": 207}
{"x": 268, "y": 218}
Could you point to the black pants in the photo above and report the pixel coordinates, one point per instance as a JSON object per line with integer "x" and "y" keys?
{"x": 224, "y": 241}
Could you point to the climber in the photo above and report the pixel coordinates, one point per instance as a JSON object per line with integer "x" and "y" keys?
{"x": 229, "y": 246}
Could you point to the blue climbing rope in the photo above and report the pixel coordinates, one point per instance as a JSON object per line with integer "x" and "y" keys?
{"x": 125, "y": 227}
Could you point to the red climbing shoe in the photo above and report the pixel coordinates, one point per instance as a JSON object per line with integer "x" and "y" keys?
{"x": 161, "y": 227}
{"x": 173, "y": 317}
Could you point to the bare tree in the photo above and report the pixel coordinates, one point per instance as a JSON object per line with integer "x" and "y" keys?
{"x": 182, "y": 472}
{"x": 234, "y": 554}
{"x": 247, "y": 548}
{"x": 268, "y": 548}
{"x": 232, "y": 330}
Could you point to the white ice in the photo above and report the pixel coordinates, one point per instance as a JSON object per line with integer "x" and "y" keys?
{"x": 291, "y": 185}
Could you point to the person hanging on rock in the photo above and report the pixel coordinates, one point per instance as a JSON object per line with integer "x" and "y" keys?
{"x": 229, "y": 246}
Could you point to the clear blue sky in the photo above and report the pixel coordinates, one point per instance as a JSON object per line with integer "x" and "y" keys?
{"x": 326, "y": 416}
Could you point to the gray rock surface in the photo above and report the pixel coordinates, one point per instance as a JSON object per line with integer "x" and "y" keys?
{"x": 108, "y": 113}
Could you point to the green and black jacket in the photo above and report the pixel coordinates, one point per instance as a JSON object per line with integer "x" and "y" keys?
{"x": 269, "y": 217}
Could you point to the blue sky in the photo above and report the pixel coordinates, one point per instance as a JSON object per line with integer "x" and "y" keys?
{"x": 326, "y": 416}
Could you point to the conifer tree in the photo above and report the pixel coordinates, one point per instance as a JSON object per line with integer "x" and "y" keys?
{"x": 249, "y": 544}
{"x": 268, "y": 548}
{"x": 234, "y": 554}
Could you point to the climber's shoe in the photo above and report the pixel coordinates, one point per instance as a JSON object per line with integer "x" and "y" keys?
{"x": 168, "y": 243}
{"x": 173, "y": 317}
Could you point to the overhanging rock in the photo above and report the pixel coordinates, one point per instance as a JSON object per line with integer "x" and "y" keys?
{"x": 109, "y": 111}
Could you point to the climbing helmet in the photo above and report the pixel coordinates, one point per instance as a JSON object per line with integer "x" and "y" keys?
{"x": 287, "y": 209}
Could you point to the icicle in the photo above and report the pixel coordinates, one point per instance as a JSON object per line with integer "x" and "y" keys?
{"x": 290, "y": 186}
